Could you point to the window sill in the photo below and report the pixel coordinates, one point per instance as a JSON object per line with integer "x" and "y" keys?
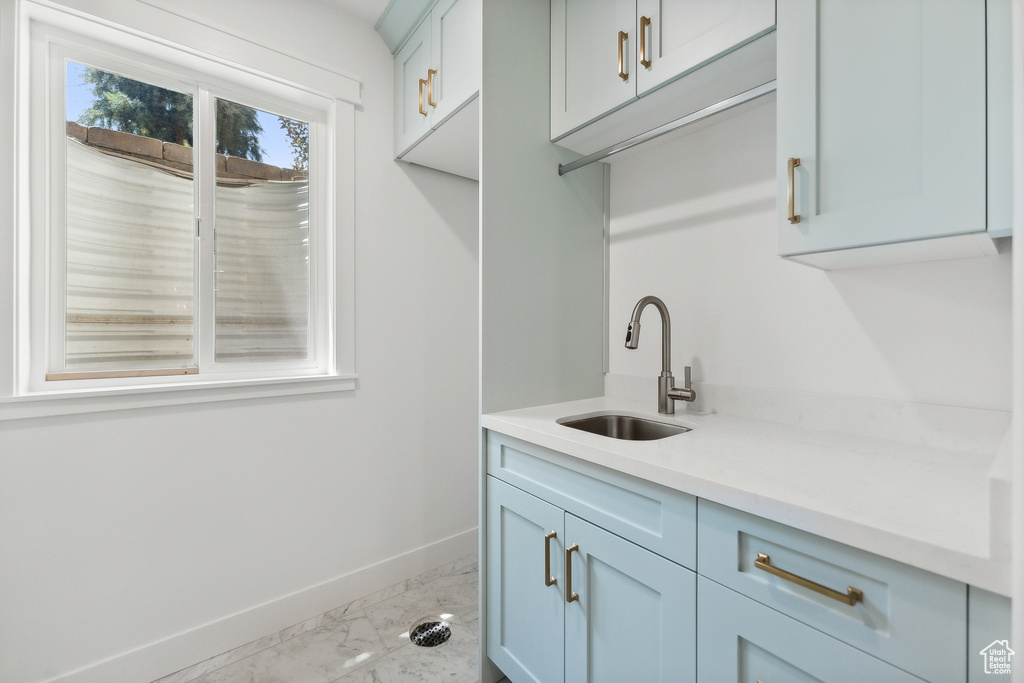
{"x": 103, "y": 400}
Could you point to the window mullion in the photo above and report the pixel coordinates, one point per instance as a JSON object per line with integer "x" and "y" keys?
{"x": 206, "y": 189}
{"x": 57, "y": 237}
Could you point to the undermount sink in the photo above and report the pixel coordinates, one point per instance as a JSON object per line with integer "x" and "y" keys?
{"x": 625, "y": 427}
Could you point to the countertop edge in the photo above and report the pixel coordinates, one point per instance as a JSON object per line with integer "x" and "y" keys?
{"x": 989, "y": 573}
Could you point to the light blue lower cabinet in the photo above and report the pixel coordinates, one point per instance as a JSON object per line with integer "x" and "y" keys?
{"x": 988, "y": 638}
{"x": 525, "y": 635}
{"x": 740, "y": 640}
{"x": 913, "y": 619}
{"x": 766, "y": 604}
{"x": 635, "y": 617}
{"x": 624, "y": 614}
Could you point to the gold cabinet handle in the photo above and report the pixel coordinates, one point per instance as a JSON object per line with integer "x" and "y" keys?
{"x": 623, "y": 36}
{"x": 851, "y": 597}
{"x": 645, "y": 59}
{"x": 792, "y": 163}
{"x": 430, "y": 87}
{"x": 422, "y": 110}
{"x": 549, "y": 580}
{"x": 570, "y": 595}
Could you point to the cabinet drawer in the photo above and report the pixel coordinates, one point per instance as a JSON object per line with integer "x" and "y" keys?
{"x": 909, "y": 617}
{"x": 742, "y": 640}
{"x": 652, "y": 516}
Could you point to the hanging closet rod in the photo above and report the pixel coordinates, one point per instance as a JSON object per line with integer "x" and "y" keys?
{"x": 711, "y": 110}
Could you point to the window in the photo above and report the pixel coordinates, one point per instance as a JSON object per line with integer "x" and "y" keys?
{"x": 185, "y": 228}
{"x": 127, "y": 303}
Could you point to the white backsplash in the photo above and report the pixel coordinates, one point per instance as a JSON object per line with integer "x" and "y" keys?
{"x": 964, "y": 430}
{"x": 693, "y": 221}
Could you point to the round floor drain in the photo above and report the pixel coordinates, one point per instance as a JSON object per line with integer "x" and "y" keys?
{"x": 430, "y": 632}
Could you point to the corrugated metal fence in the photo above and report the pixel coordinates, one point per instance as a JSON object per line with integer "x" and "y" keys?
{"x": 130, "y": 292}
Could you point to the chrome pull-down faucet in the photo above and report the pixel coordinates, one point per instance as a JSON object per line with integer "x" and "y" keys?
{"x": 668, "y": 393}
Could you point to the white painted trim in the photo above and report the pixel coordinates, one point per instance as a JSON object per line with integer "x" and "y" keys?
{"x": 8, "y": 190}
{"x": 1017, "y": 541}
{"x": 155, "y": 23}
{"x": 181, "y": 650}
{"x": 343, "y": 204}
{"x": 127, "y": 398}
{"x": 971, "y": 245}
{"x": 332, "y": 120}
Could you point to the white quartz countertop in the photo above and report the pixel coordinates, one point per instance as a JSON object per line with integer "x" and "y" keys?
{"x": 925, "y": 506}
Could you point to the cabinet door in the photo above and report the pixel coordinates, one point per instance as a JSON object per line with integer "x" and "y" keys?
{"x": 744, "y": 641}
{"x": 411, "y": 66}
{"x": 883, "y": 102}
{"x": 585, "y": 81}
{"x": 989, "y": 638}
{"x": 524, "y": 615}
{"x": 456, "y": 40}
{"x": 635, "y": 618}
{"x": 684, "y": 34}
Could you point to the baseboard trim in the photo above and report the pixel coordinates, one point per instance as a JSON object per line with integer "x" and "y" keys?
{"x": 176, "y": 652}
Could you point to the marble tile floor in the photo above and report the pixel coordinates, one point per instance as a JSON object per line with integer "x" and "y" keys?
{"x": 365, "y": 641}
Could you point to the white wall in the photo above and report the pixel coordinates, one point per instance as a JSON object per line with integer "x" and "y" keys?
{"x": 151, "y": 528}
{"x": 542, "y": 236}
{"x": 693, "y": 221}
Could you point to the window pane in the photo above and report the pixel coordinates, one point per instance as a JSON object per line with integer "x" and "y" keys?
{"x": 262, "y": 236}
{"x": 129, "y": 229}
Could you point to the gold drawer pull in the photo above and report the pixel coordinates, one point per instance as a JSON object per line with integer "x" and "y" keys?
{"x": 423, "y": 82}
{"x": 430, "y": 87}
{"x": 570, "y": 594}
{"x": 851, "y": 597}
{"x": 549, "y": 580}
{"x": 791, "y": 164}
{"x": 623, "y": 37}
{"x": 645, "y": 59}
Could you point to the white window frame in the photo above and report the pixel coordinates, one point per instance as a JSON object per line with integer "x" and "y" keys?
{"x": 47, "y": 35}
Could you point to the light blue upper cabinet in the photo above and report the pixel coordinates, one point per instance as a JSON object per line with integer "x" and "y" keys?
{"x": 675, "y": 37}
{"x": 586, "y": 68}
{"x": 437, "y": 80}
{"x": 455, "y": 39}
{"x": 883, "y": 104}
{"x": 608, "y": 53}
{"x": 412, "y": 107}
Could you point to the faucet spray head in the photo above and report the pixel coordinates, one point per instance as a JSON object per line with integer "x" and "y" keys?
{"x": 633, "y": 334}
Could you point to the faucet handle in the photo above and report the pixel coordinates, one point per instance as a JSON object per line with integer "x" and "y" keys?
{"x": 683, "y": 393}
